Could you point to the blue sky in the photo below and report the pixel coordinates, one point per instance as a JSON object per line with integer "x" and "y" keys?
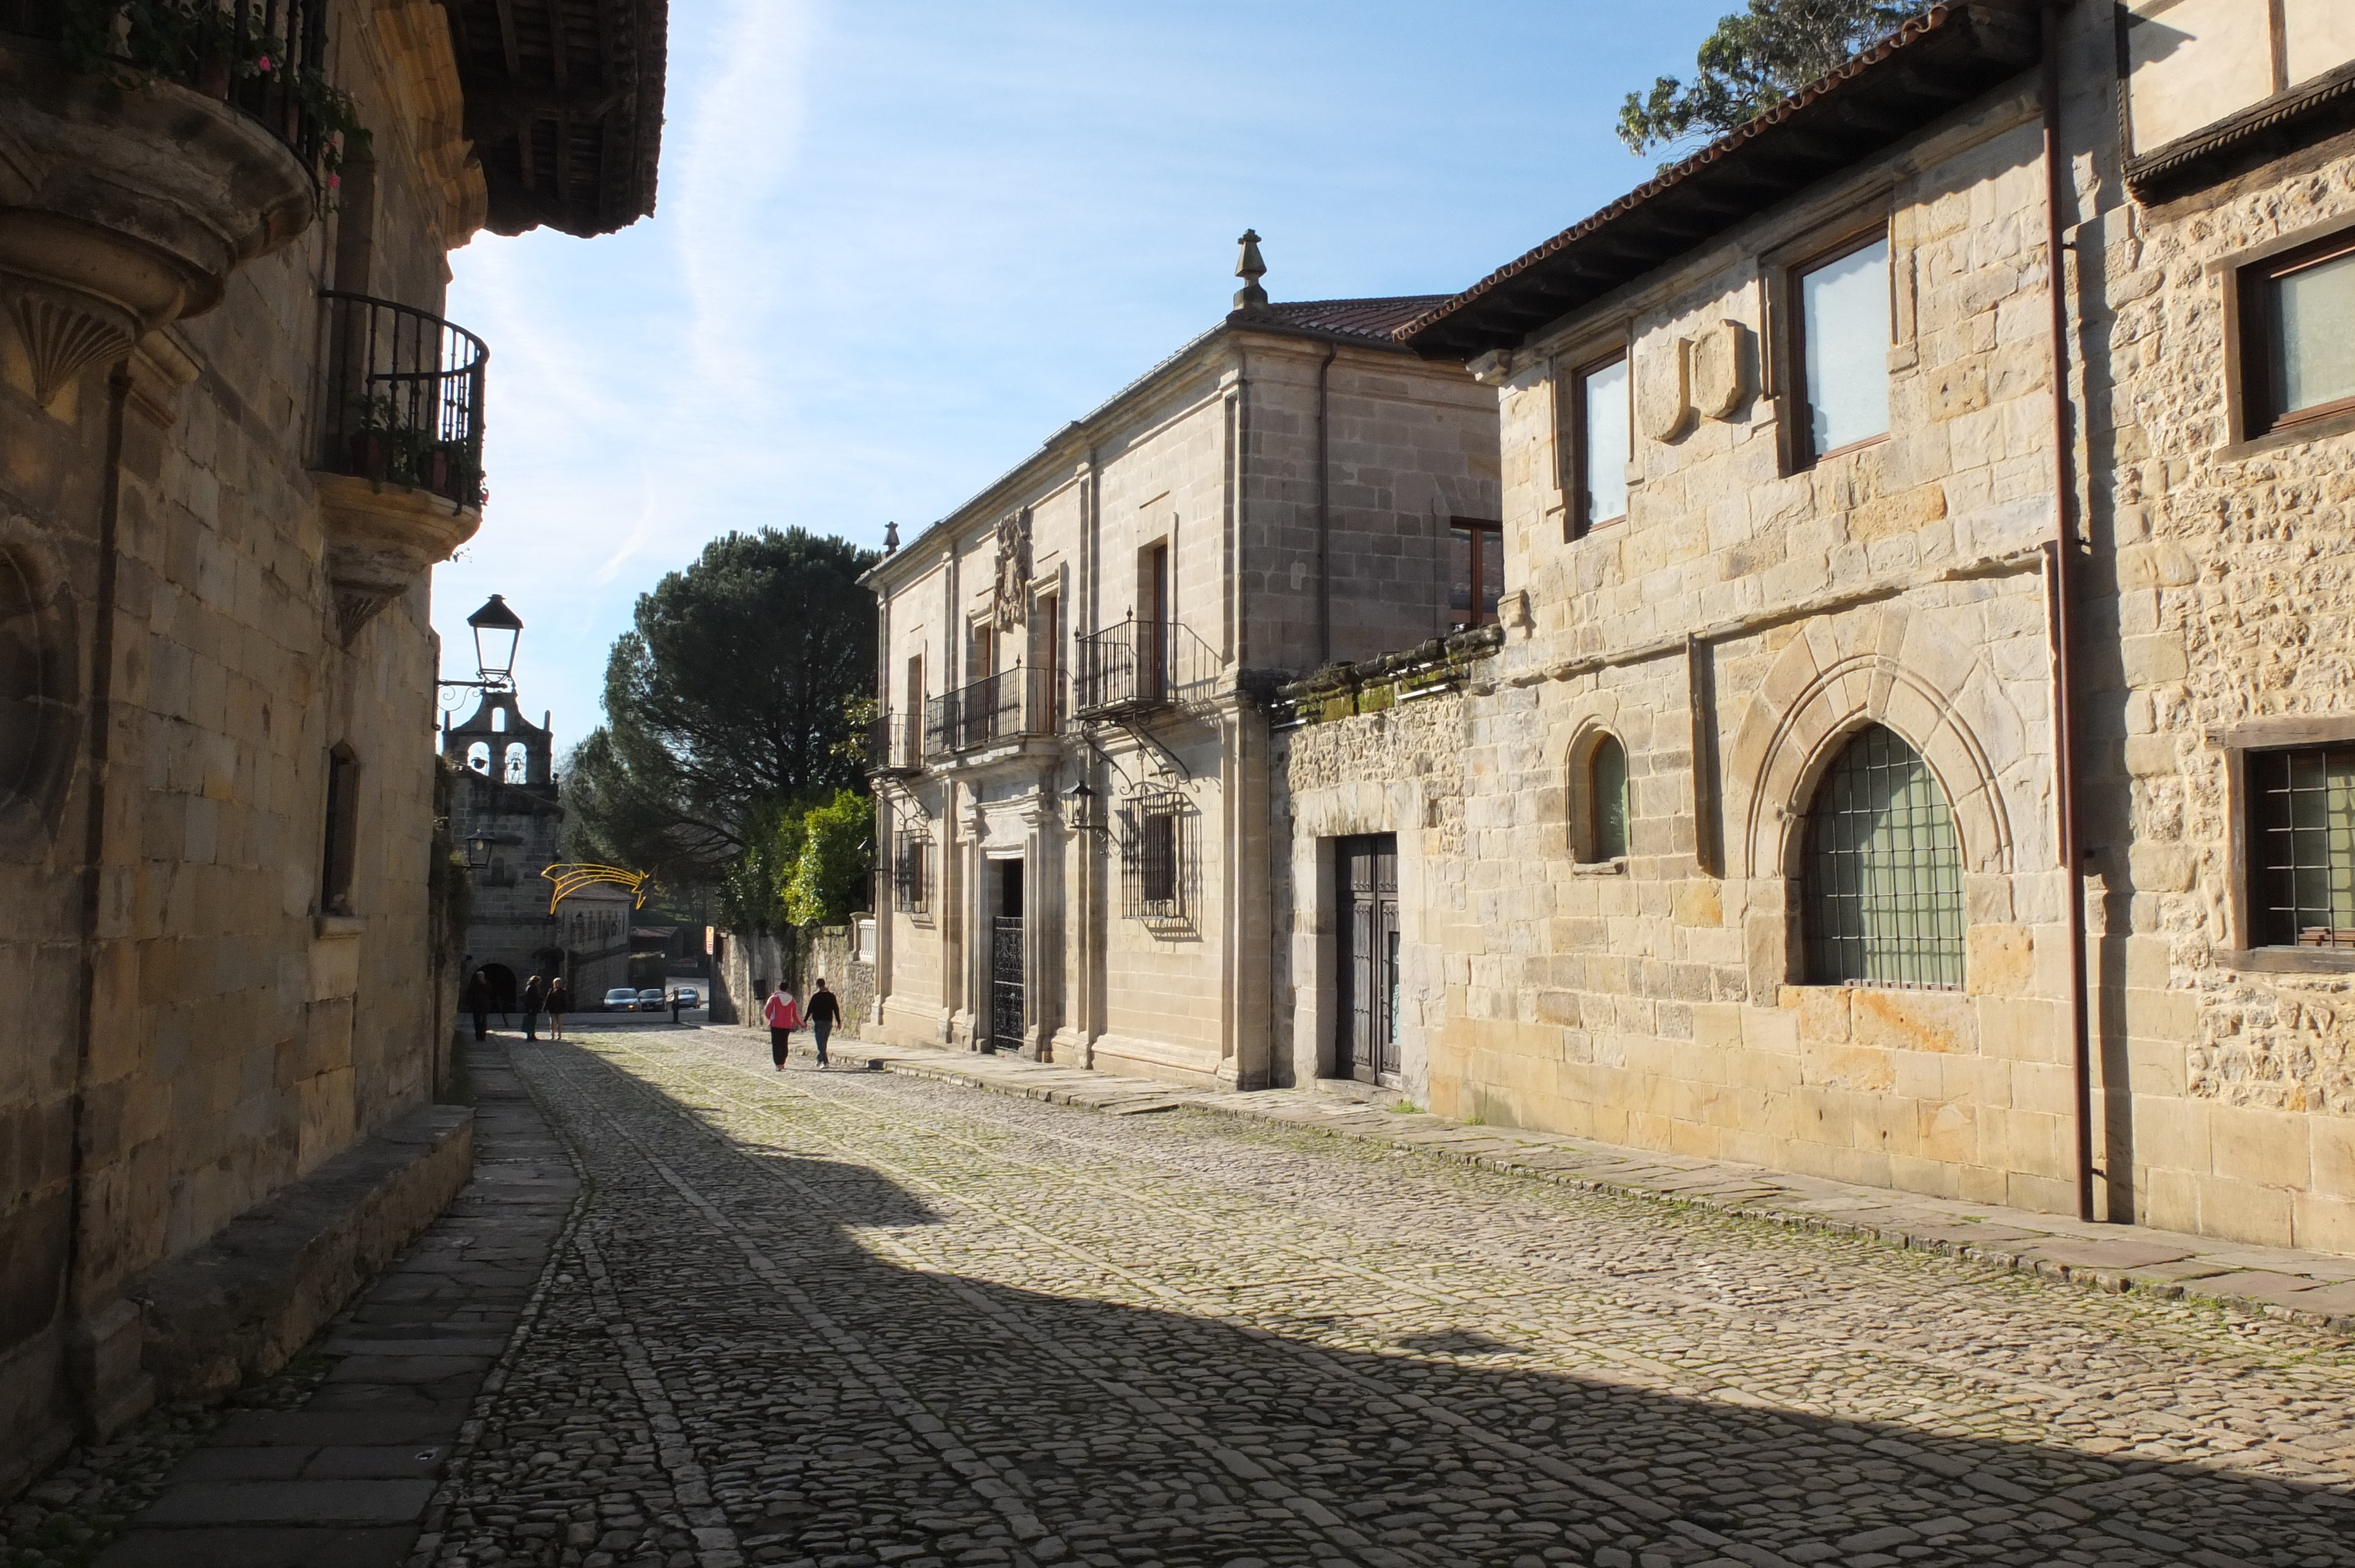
{"x": 900, "y": 243}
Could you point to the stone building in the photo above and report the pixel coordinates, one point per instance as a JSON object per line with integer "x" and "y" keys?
{"x": 1070, "y": 773}
{"x": 1814, "y": 806}
{"x": 235, "y": 435}
{"x": 505, "y": 810}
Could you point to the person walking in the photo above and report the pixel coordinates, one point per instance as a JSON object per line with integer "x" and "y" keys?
{"x": 824, "y": 1012}
{"x": 478, "y": 1002}
{"x": 534, "y": 997}
{"x": 674, "y": 1007}
{"x": 782, "y": 1018}
{"x": 560, "y": 1002}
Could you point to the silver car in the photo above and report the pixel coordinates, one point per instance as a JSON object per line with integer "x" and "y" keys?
{"x": 653, "y": 1000}
{"x": 622, "y": 999}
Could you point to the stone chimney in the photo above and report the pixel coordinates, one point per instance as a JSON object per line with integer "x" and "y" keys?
{"x": 1251, "y": 298}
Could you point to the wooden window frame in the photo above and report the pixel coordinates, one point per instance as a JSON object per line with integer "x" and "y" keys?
{"x": 1476, "y": 529}
{"x": 1578, "y": 524}
{"x": 1795, "y": 401}
{"x": 339, "y": 841}
{"x": 2256, "y": 353}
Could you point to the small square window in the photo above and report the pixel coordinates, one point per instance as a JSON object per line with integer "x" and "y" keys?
{"x": 1842, "y": 326}
{"x": 2298, "y": 337}
{"x": 2302, "y": 847}
{"x": 1601, "y": 444}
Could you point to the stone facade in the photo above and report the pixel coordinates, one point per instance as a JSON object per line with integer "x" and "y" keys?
{"x": 1756, "y": 609}
{"x": 1283, "y": 494}
{"x": 218, "y": 786}
{"x": 508, "y": 800}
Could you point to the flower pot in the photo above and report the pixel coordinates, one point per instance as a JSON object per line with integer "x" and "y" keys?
{"x": 370, "y": 453}
{"x": 212, "y": 77}
{"x": 433, "y": 471}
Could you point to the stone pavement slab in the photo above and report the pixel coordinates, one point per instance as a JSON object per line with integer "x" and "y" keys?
{"x": 2317, "y": 1288}
{"x": 344, "y": 1480}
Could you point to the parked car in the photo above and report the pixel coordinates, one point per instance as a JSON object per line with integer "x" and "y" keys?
{"x": 622, "y": 999}
{"x": 689, "y": 997}
{"x": 653, "y": 1000}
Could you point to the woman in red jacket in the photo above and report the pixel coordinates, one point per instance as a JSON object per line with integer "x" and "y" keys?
{"x": 782, "y": 1018}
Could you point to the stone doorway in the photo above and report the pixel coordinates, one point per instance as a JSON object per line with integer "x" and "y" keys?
{"x": 1006, "y": 956}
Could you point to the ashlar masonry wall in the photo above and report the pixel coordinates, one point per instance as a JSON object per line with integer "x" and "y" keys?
{"x": 1749, "y": 617}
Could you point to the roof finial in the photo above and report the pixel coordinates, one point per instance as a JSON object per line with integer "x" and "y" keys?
{"x": 1251, "y": 269}
{"x": 890, "y": 538}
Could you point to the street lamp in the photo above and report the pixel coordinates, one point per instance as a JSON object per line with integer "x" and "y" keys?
{"x": 1080, "y": 814}
{"x": 496, "y": 630}
{"x": 478, "y": 853}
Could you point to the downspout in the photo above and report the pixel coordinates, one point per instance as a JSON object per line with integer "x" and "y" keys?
{"x": 2062, "y": 590}
{"x": 93, "y": 885}
{"x": 1324, "y": 513}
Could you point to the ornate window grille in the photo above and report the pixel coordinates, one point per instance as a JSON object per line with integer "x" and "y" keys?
{"x": 2302, "y": 851}
{"x": 911, "y": 872}
{"x": 1884, "y": 871}
{"x": 1157, "y": 854}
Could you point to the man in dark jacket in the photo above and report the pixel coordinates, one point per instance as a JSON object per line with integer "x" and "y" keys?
{"x": 535, "y": 998}
{"x": 822, "y": 1015}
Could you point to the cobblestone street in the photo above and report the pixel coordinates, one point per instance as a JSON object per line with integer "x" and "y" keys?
{"x": 853, "y": 1317}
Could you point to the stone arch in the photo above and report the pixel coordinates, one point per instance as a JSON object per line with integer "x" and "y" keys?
{"x": 1579, "y": 799}
{"x": 1876, "y": 667}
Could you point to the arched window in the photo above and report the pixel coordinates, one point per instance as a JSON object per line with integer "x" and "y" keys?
{"x": 1885, "y": 873}
{"x": 1606, "y": 799}
{"x": 478, "y": 757}
{"x": 518, "y": 770}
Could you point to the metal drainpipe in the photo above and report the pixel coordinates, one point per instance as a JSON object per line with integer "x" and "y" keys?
{"x": 2064, "y": 549}
{"x": 1323, "y": 513}
{"x": 93, "y": 889}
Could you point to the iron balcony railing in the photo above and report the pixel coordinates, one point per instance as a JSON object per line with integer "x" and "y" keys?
{"x": 1010, "y": 705}
{"x": 267, "y": 58}
{"x": 404, "y": 397}
{"x": 1139, "y": 666}
{"x": 893, "y": 745}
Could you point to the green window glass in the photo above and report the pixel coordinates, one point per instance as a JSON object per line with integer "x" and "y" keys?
{"x": 1884, "y": 873}
{"x": 2303, "y": 856}
{"x": 1606, "y": 774}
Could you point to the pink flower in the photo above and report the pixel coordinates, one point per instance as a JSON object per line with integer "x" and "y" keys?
{"x": 263, "y": 65}
{"x": 335, "y": 180}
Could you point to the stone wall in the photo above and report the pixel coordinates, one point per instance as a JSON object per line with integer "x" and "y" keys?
{"x": 2224, "y": 602}
{"x": 200, "y": 1021}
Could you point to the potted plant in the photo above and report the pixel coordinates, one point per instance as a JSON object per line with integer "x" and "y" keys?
{"x": 374, "y": 441}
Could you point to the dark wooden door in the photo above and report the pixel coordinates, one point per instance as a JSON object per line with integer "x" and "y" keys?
{"x": 1366, "y": 872}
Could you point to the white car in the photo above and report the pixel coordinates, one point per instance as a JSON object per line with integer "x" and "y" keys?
{"x": 622, "y": 999}
{"x": 689, "y": 997}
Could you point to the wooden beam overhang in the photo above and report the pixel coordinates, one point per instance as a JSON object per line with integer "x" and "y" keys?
{"x": 1954, "y": 53}
{"x": 564, "y": 105}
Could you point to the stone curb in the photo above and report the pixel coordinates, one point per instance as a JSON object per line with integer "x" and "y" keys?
{"x": 1120, "y": 1096}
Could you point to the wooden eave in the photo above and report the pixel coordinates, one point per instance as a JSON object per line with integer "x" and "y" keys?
{"x": 564, "y": 106}
{"x": 1951, "y": 54}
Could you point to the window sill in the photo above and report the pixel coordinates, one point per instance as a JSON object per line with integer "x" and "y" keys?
{"x": 1599, "y": 867}
{"x": 337, "y": 928}
{"x": 1866, "y": 445}
{"x": 2281, "y": 436}
{"x": 2289, "y": 960}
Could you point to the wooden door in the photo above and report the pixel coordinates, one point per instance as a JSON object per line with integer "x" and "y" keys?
{"x": 1365, "y": 892}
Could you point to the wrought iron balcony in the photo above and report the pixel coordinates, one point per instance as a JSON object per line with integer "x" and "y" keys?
{"x": 1011, "y": 705}
{"x": 894, "y": 745}
{"x": 267, "y": 58}
{"x": 1139, "y": 666}
{"x": 404, "y": 399}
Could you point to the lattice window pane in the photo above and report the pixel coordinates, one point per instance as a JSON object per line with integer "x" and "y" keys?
{"x": 1884, "y": 873}
{"x": 911, "y": 872}
{"x": 2305, "y": 850}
